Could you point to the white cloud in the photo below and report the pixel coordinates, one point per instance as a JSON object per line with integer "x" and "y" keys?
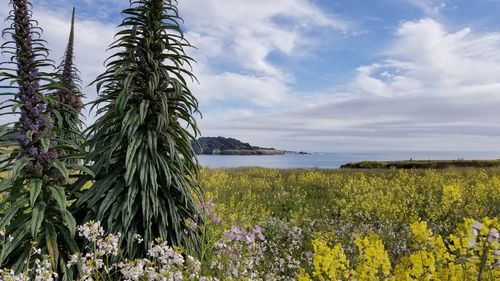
{"x": 435, "y": 90}
{"x": 426, "y": 57}
{"x": 248, "y": 31}
{"x": 243, "y": 34}
{"x": 233, "y": 87}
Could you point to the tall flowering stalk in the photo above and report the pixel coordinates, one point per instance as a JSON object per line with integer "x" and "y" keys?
{"x": 34, "y": 212}
{"x": 146, "y": 170}
{"x": 69, "y": 95}
{"x": 35, "y": 126}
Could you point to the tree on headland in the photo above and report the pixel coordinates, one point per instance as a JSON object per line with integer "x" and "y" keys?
{"x": 146, "y": 170}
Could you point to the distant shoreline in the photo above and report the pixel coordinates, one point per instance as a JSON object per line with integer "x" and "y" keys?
{"x": 422, "y": 164}
{"x": 257, "y": 152}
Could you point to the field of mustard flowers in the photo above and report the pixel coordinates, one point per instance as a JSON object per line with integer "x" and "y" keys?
{"x": 265, "y": 224}
{"x": 355, "y": 225}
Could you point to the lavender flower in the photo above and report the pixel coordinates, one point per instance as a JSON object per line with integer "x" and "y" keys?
{"x": 208, "y": 208}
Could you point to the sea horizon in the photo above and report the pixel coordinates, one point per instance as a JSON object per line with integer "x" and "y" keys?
{"x": 333, "y": 160}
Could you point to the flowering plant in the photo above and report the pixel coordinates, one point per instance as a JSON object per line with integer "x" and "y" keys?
{"x": 35, "y": 209}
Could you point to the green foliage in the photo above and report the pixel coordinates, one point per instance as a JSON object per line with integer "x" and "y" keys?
{"x": 146, "y": 170}
{"x": 36, "y": 216}
{"x": 34, "y": 208}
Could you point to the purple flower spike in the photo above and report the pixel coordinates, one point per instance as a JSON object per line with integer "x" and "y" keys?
{"x": 34, "y": 124}
{"x": 69, "y": 95}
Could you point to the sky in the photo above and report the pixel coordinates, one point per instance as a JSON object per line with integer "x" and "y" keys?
{"x": 322, "y": 75}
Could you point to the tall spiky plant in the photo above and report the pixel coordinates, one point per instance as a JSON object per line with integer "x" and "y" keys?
{"x": 69, "y": 95}
{"x": 146, "y": 170}
{"x": 35, "y": 213}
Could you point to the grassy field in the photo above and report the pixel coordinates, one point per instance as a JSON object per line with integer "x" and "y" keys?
{"x": 322, "y": 211}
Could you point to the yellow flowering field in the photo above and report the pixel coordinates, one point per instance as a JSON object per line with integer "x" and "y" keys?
{"x": 319, "y": 225}
{"x": 363, "y": 225}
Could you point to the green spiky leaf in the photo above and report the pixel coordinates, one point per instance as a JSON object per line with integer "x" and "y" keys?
{"x": 51, "y": 244}
{"x": 59, "y": 195}
{"x": 17, "y": 168}
{"x": 37, "y": 218}
{"x": 61, "y": 167}
{"x": 70, "y": 222}
{"x": 35, "y": 188}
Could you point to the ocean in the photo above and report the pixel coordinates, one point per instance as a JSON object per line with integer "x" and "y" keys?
{"x": 335, "y": 160}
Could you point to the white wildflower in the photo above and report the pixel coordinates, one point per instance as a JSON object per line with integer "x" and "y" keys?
{"x": 138, "y": 238}
{"x": 493, "y": 235}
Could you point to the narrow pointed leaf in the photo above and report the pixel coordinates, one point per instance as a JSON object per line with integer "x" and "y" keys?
{"x": 61, "y": 167}
{"x": 37, "y": 219}
{"x": 35, "y": 188}
{"x": 59, "y": 195}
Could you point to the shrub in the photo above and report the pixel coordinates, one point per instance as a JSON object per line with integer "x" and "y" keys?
{"x": 146, "y": 170}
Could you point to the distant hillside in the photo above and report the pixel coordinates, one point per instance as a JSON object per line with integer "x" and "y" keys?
{"x": 230, "y": 146}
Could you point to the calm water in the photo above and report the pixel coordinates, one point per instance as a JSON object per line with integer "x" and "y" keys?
{"x": 333, "y": 160}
